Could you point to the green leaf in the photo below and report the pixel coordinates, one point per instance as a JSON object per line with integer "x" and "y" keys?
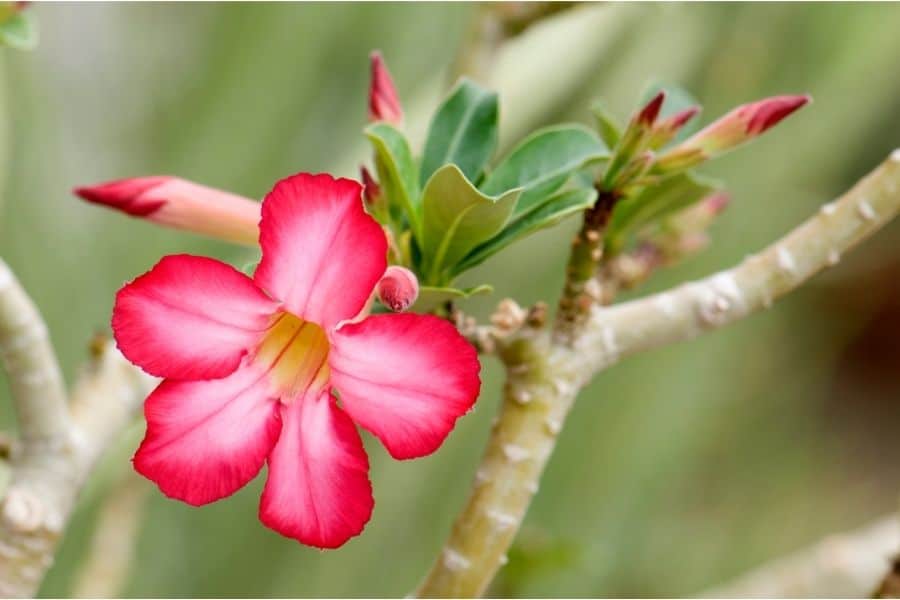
{"x": 456, "y": 218}
{"x": 19, "y": 31}
{"x": 609, "y": 129}
{"x": 397, "y": 172}
{"x": 677, "y": 99}
{"x": 543, "y": 162}
{"x": 463, "y": 131}
{"x": 433, "y": 297}
{"x": 548, "y": 213}
{"x": 654, "y": 203}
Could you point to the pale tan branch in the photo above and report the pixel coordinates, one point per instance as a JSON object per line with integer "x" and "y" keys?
{"x": 43, "y": 486}
{"x": 849, "y": 565}
{"x": 35, "y": 379}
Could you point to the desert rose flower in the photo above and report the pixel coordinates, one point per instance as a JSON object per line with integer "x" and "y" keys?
{"x": 384, "y": 103}
{"x": 181, "y": 204}
{"x": 252, "y": 367}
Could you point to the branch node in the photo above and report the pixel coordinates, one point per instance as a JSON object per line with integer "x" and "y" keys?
{"x": 865, "y": 210}
{"x": 455, "y": 561}
{"x": 515, "y": 453}
{"x": 23, "y": 511}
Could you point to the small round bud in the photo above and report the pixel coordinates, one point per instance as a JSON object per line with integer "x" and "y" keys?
{"x": 398, "y": 288}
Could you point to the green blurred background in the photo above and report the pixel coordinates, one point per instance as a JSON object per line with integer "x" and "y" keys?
{"x": 677, "y": 469}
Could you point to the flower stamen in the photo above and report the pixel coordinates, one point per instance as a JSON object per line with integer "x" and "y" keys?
{"x": 294, "y": 353}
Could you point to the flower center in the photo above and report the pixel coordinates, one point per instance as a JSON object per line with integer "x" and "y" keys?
{"x": 295, "y": 354}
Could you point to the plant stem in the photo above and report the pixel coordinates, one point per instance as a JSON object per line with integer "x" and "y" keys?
{"x": 848, "y": 565}
{"x": 587, "y": 251}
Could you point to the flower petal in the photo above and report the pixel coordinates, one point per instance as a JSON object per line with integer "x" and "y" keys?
{"x": 406, "y": 378}
{"x": 322, "y": 254}
{"x": 318, "y": 490}
{"x": 207, "y": 439}
{"x": 190, "y": 318}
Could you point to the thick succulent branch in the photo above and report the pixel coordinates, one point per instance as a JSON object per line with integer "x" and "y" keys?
{"x": 35, "y": 380}
{"x": 544, "y": 375}
{"x": 45, "y": 480}
{"x": 848, "y": 565}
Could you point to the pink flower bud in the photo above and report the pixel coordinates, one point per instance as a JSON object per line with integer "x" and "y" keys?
{"x": 715, "y": 203}
{"x": 647, "y": 115}
{"x": 398, "y": 288}
{"x": 384, "y": 104}
{"x": 666, "y": 129}
{"x": 371, "y": 189}
{"x": 745, "y": 123}
{"x": 181, "y": 204}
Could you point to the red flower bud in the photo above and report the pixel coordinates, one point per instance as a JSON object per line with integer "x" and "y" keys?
{"x": 744, "y": 123}
{"x": 398, "y": 288}
{"x": 647, "y": 115}
{"x": 371, "y": 189}
{"x": 384, "y": 104}
{"x": 181, "y": 204}
{"x": 715, "y": 203}
{"x": 666, "y": 129}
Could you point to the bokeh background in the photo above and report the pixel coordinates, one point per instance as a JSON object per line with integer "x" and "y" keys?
{"x": 677, "y": 469}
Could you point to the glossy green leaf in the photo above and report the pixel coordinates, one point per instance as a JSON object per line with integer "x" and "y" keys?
{"x": 431, "y": 298}
{"x": 546, "y": 214}
{"x": 19, "y": 31}
{"x": 463, "y": 131}
{"x": 654, "y": 203}
{"x": 609, "y": 129}
{"x": 677, "y": 99}
{"x": 543, "y": 162}
{"x": 456, "y": 218}
{"x": 397, "y": 173}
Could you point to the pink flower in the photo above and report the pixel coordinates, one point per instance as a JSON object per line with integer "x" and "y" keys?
{"x": 181, "y": 204}
{"x": 251, "y": 366}
{"x": 384, "y": 103}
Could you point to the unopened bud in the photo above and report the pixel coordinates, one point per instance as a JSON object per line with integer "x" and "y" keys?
{"x": 634, "y": 140}
{"x": 371, "y": 190}
{"x": 174, "y": 202}
{"x": 744, "y": 123}
{"x": 669, "y": 127}
{"x": 398, "y": 288}
{"x": 384, "y": 103}
{"x": 647, "y": 115}
{"x": 715, "y": 203}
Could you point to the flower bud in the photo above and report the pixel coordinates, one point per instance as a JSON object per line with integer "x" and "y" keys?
{"x": 174, "y": 202}
{"x": 744, "y": 123}
{"x": 647, "y": 115}
{"x": 633, "y": 140}
{"x": 669, "y": 127}
{"x": 398, "y": 289}
{"x": 384, "y": 104}
{"x": 715, "y": 203}
{"x": 371, "y": 190}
